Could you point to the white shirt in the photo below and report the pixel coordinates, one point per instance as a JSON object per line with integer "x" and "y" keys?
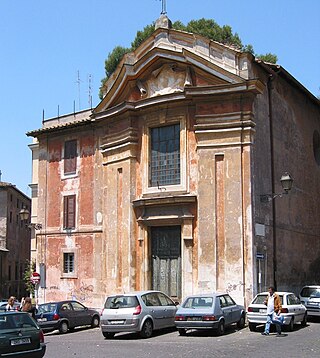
{"x": 270, "y": 305}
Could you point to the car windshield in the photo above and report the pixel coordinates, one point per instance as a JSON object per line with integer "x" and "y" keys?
{"x": 260, "y": 299}
{"x": 116, "y": 302}
{"x": 16, "y": 321}
{"x": 47, "y": 308}
{"x": 315, "y": 294}
{"x": 195, "y": 302}
{"x": 310, "y": 291}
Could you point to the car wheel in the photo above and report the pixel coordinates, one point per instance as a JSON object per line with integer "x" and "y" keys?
{"x": 304, "y": 321}
{"x": 182, "y": 331}
{"x": 108, "y": 334}
{"x": 252, "y": 327}
{"x": 63, "y": 327}
{"x": 95, "y": 322}
{"x": 147, "y": 329}
{"x": 291, "y": 325}
{"x": 242, "y": 321}
{"x": 220, "y": 329}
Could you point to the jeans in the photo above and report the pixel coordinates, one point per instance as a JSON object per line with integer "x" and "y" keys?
{"x": 269, "y": 321}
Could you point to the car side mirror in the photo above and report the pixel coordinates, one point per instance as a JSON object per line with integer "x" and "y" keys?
{"x": 177, "y": 303}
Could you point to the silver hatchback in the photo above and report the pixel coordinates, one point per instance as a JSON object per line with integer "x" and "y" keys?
{"x": 143, "y": 311}
{"x": 310, "y": 297}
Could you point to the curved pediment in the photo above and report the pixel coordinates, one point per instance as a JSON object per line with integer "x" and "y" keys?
{"x": 169, "y": 62}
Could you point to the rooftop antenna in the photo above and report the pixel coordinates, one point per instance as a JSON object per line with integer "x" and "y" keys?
{"x": 0, "y": 174}
{"x": 90, "y": 90}
{"x": 42, "y": 116}
{"x": 78, "y": 81}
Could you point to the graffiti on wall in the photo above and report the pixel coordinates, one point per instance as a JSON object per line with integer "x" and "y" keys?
{"x": 237, "y": 287}
{"x": 83, "y": 293}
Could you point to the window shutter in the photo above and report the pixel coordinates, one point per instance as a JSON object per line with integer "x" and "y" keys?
{"x": 69, "y": 212}
{"x": 70, "y": 157}
{"x": 65, "y": 211}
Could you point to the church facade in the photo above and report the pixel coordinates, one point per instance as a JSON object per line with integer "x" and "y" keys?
{"x": 163, "y": 185}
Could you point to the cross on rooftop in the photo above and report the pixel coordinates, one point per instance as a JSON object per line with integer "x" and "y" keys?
{"x": 164, "y": 7}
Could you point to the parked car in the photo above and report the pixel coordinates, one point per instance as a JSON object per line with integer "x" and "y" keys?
{"x": 143, "y": 312}
{"x": 293, "y": 310}
{"x": 310, "y": 297}
{"x": 20, "y": 336}
{"x": 209, "y": 311}
{"x": 4, "y": 303}
{"x": 66, "y": 315}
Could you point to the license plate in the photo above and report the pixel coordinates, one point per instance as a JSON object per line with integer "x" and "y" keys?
{"x": 194, "y": 319}
{"x": 262, "y": 310}
{"x": 116, "y": 322}
{"x": 42, "y": 319}
{"x": 16, "y": 342}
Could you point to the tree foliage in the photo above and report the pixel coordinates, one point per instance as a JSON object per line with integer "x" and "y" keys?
{"x": 30, "y": 268}
{"x": 210, "y": 29}
{"x": 268, "y": 57}
{"x": 205, "y": 27}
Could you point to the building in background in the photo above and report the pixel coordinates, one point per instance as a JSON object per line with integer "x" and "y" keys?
{"x": 170, "y": 183}
{"x": 14, "y": 241}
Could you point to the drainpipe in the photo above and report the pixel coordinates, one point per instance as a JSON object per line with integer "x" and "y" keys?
{"x": 274, "y": 237}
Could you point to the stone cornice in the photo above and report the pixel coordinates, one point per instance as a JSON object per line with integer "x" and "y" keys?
{"x": 165, "y": 200}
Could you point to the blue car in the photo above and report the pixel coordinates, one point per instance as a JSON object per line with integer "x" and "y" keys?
{"x": 209, "y": 311}
{"x": 65, "y": 315}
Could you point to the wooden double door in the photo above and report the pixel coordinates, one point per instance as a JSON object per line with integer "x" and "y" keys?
{"x": 166, "y": 259}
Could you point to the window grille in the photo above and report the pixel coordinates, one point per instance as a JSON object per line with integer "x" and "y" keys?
{"x": 165, "y": 155}
{"x": 68, "y": 262}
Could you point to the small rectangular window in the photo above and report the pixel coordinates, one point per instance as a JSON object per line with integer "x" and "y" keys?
{"x": 70, "y": 157}
{"x": 69, "y": 212}
{"x": 68, "y": 262}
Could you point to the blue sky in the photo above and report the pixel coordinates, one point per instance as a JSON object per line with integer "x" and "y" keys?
{"x": 46, "y": 44}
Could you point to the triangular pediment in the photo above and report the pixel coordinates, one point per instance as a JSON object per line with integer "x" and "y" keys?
{"x": 168, "y": 63}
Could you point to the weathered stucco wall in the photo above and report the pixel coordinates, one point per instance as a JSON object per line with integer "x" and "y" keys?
{"x": 285, "y": 129}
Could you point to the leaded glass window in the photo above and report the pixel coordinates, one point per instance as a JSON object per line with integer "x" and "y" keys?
{"x": 165, "y": 155}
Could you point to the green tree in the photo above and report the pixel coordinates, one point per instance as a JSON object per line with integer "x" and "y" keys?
{"x": 268, "y": 57}
{"x": 205, "y": 27}
{"x": 30, "y": 268}
{"x": 142, "y": 35}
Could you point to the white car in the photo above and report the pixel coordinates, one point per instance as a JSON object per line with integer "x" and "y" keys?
{"x": 310, "y": 297}
{"x": 293, "y": 310}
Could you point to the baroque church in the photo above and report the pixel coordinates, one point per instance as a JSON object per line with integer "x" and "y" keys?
{"x": 176, "y": 180}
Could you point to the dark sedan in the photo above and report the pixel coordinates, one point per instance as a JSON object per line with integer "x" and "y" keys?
{"x": 66, "y": 315}
{"x": 20, "y": 336}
